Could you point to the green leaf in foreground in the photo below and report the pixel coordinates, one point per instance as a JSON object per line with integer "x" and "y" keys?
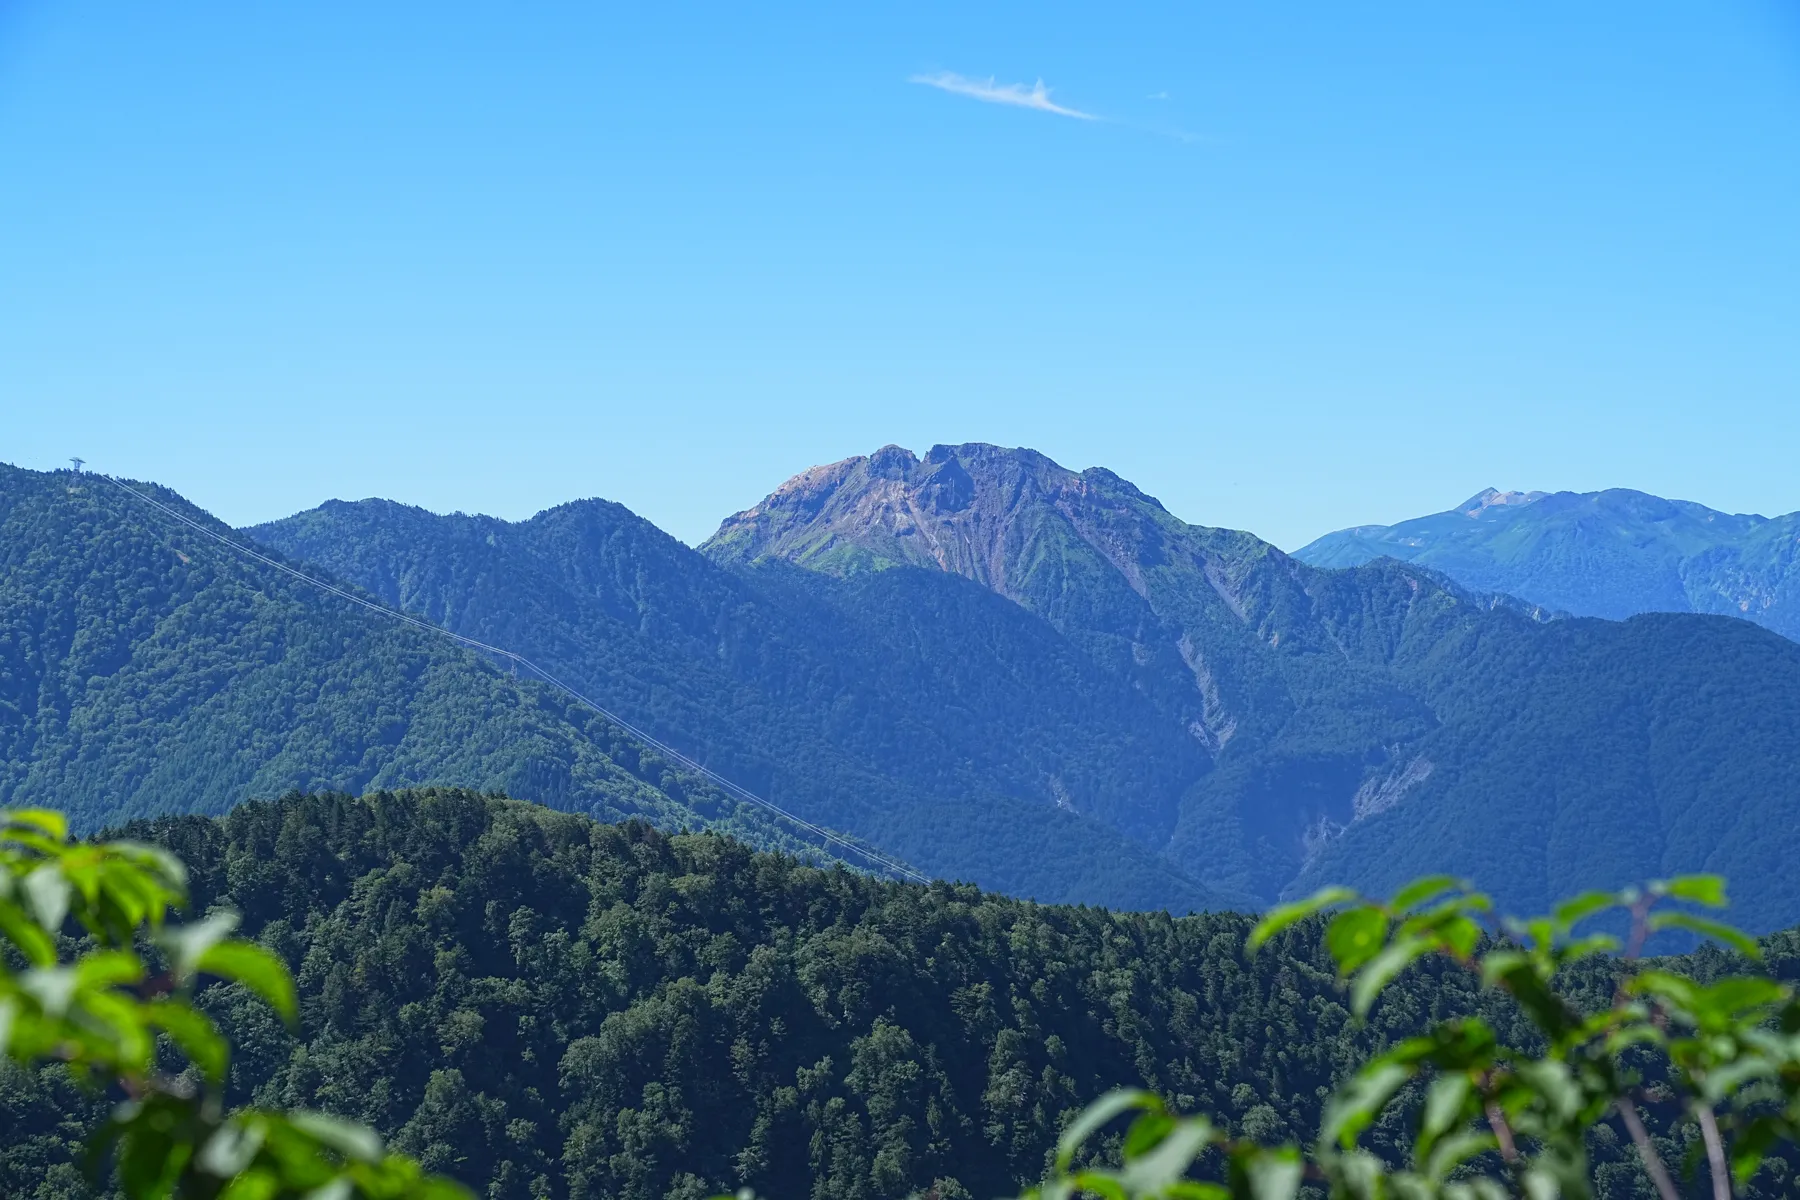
{"x": 1742, "y": 942}
{"x": 257, "y": 968}
{"x": 1284, "y": 915}
{"x": 1500, "y": 1121}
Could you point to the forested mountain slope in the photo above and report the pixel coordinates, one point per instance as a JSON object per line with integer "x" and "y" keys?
{"x": 1366, "y": 723}
{"x": 145, "y": 669}
{"x": 918, "y": 710}
{"x": 546, "y": 1007}
{"x": 1601, "y": 554}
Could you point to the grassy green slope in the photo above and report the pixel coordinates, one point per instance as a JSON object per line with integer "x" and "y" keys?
{"x": 1562, "y": 751}
{"x": 1596, "y": 750}
{"x": 145, "y": 669}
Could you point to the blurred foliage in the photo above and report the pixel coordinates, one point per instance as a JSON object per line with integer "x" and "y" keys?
{"x": 1500, "y": 1119}
{"x": 114, "y": 1009}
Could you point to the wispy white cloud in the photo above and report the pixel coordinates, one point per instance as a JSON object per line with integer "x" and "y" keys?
{"x": 1037, "y": 96}
{"x": 1157, "y": 96}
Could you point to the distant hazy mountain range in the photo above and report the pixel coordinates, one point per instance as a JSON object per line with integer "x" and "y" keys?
{"x": 994, "y": 667}
{"x": 1597, "y": 554}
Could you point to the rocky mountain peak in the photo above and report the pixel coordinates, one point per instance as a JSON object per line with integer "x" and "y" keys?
{"x": 967, "y": 509}
{"x": 892, "y": 462}
{"x": 1478, "y": 504}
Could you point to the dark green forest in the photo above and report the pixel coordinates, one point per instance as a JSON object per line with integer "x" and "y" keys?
{"x": 546, "y": 1006}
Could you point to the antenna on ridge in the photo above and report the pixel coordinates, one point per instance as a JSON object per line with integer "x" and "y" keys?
{"x": 78, "y": 462}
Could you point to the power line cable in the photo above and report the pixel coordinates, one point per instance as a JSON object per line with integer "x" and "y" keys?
{"x": 885, "y": 862}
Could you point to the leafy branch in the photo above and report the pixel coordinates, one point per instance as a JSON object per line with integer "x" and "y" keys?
{"x": 1496, "y": 1120}
{"x": 99, "y": 1008}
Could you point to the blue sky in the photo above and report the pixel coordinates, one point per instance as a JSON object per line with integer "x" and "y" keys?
{"x": 1304, "y": 267}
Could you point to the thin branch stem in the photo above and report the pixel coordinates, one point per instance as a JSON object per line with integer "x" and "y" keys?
{"x": 1634, "y": 949}
{"x": 1640, "y": 928}
{"x": 1653, "y": 1163}
{"x": 1715, "y": 1151}
{"x": 1503, "y": 1134}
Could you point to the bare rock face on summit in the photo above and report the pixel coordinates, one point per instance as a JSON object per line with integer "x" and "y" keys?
{"x": 1087, "y": 551}
{"x": 973, "y": 510}
{"x": 1204, "y": 617}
